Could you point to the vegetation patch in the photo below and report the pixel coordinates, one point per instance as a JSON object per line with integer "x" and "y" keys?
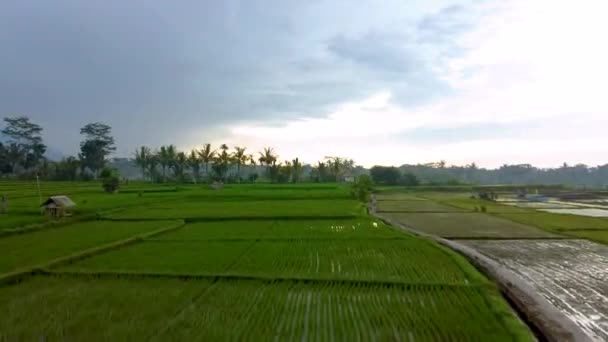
{"x": 218, "y": 209}
{"x": 464, "y": 225}
{"x": 415, "y": 206}
{"x": 28, "y": 250}
{"x": 284, "y": 229}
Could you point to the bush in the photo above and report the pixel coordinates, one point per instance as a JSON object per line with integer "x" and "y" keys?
{"x": 110, "y": 180}
{"x": 361, "y": 188}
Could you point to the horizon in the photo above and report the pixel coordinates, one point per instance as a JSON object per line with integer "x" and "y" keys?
{"x": 489, "y": 82}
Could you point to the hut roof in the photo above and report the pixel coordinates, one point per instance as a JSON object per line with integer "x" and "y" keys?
{"x": 60, "y": 201}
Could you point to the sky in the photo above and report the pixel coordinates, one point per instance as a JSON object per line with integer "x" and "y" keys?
{"x": 382, "y": 82}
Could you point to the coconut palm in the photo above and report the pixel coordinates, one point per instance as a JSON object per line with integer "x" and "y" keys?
{"x": 142, "y": 157}
{"x": 296, "y": 170}
{"x": 206, "y": 155}
{"x": 221, "y": 162}
{"x": 195, "y": 164}
{"x": 240, "y": 158}
{"x": 164, "y": 160}
{"x": 179, "y": 164}
{"x": 268, "y": 157}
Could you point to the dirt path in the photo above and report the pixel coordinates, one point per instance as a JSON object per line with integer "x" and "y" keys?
{"x": 571, "y": 274}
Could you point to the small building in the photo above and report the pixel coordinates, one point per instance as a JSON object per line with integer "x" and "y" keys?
{"x": 58, "y": 206}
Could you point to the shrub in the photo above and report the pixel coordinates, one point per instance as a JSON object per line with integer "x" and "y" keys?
{"x": 361, "y": 188}
{"x": 110, "y": 180}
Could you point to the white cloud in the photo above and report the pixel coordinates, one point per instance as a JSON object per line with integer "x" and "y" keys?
{"x": 537, "y": 65}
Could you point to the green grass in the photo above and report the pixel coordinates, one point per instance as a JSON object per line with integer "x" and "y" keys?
{"x": 398, "y": 197}
{"x": 247, "y": 209}
{"x": 249, "y": 243}
{"x": 296, "y": 311}
{"x": 56, "y": 309}
{"x": 208, "y": 257}
{"x": 557, "y": 222}
{"x": 469, "y": 204}
{"x": 415, "y": 206}
{"x": 161, "y": 310}
{"x": 283, "y": 229}
{"x": 30, "y": 249}
{"x": 398, "y": 260}
{"x": 465, "y": 225}
{"x": 600, "y": 236}
{"x": 379, "y": 260}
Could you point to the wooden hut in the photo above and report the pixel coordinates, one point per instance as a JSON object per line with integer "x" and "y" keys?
{"x": 58, "y": 206}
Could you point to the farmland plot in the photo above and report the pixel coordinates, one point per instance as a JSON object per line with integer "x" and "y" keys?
{"x": 571, "y": 274}
{"x": 415, "y": 206}
{"x": 246, "y": 209}
{"x": 399, "y": 260}
{"x": 100, "y": 309}
{"x": 31, "y": 249}
{"x": 333, "y": 311}
{"x": 284, "y": 229}
{"x": 467, "y": 225}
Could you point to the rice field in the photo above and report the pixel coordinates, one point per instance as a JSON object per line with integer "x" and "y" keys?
{"x": 280, "y": 262}
{"x": 468, "y": 225}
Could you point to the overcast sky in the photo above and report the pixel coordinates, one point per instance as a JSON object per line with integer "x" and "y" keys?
{"x": 382, "y": 82}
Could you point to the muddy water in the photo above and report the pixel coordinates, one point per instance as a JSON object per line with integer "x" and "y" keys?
{"x": 571, "y": 274}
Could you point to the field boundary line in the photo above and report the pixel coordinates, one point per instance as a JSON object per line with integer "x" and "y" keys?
{"x": 19, "y": 275}
{"x": 502, "y": 238}
{"x": 237, "y": 218}
{"x": 552, "y": 323}
{"x": 236, "y": 276}
{"x": 285, "y": 239}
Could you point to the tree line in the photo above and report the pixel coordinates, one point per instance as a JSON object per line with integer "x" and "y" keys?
{"x": 234, "y": 165}
{"x": 22, "y": 152}
{"x": 22, "y": 156}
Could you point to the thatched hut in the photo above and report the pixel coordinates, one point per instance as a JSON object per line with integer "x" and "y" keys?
{"x": 58, "y": 206}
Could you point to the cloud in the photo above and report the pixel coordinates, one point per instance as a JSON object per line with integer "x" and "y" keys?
{"x": 518, "y": 92}
{"x": 310, "y": 76}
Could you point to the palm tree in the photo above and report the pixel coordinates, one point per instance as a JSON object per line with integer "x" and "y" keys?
{"x": 336, "y": 166}
{"x": 163, "y": 160}
{"x": 195, "y": 164}
{"x": 285, "y": 171}
{"x": 180, "y": 162}
{"x": 251, "y": 160}
{"x": 206, "y": 155}
{"x": 240, "y": 158}
{"x": 268, "y": 157}
{"x": 296, "y": 169}
{"x": 142, "y": 157}
{"x": 221, "y": 162}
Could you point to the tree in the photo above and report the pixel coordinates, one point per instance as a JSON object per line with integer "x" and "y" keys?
{"x": 385, "y": 175}
{"x": 361, "y": 188}
{"x": 221, "y": 163}
{"x": 142, "y": 159}
{"x": 195, "y": 164}
{"x": 320, "y": 172}
{"x": 296, "y": 170}
{"x": 179, "y": 164}
{"x": 285, "y": 172}
{"x": 96, "y": 146}
{"x": 206, "y": 154}
{"x": 268, "y": 157}
{"x": 409, "y": 179}
{"x": 25, "y": 139}
{"x": 163, "y": 160}
{"x": 67, "y": 169}
{"x": 240, "y": 158}
{"x": 110, "y": 180}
